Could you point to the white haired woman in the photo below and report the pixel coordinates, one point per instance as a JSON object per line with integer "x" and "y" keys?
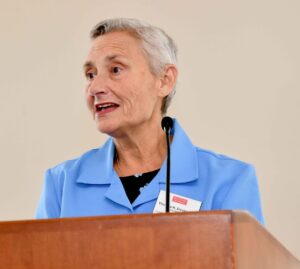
{"x": 131, "y": 75}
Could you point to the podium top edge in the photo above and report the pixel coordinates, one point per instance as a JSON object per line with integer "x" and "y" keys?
{"x": 233, "y": 215}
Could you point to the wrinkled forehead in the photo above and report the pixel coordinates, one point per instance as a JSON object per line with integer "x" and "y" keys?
{"x": 114, "y": 46}
{"x": 120, "y": 42}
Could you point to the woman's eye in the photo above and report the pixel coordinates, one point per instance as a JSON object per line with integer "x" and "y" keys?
{"x": 90, "y": 75}
{"x": 116, "y": 70}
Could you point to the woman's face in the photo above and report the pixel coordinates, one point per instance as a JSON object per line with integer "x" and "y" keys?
{"x": 121, "y": 92}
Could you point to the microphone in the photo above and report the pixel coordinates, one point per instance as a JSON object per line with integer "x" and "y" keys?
{"x": 167, "y": 125}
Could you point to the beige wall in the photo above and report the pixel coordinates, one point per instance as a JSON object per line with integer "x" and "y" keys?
{"x": 238, "y": 91}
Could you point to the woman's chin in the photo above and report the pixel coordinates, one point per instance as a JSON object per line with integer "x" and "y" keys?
{"x": 106, "y": 128}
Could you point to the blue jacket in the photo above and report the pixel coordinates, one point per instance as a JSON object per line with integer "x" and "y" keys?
{"x": 89, "y": 185}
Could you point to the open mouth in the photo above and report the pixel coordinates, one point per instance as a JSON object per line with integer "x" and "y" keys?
{"x": 105, "y": 107}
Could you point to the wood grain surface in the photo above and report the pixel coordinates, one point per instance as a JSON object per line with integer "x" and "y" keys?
{"x": 207, "y": 240}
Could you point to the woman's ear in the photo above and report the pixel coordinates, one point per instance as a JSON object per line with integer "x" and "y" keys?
{"x": 168, "y": 79}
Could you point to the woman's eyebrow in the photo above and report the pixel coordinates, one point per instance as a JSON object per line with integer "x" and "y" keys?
{"x": 87, "y": 65}
{"x": 108, "y": 58}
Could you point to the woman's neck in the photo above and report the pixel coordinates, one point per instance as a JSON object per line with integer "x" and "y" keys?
{"x": 141, "y": 151}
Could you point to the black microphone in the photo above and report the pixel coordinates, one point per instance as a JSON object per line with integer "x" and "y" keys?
{"x": 167, "y": 125}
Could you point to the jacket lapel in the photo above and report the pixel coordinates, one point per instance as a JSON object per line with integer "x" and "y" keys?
{"x": 99, "y": 170}
{"x": 117, "y": 194}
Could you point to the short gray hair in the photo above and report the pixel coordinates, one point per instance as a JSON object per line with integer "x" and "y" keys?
{"x": 160, "y": 49}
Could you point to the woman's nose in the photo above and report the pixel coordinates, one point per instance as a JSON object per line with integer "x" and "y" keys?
{"x": 98, "y": 86}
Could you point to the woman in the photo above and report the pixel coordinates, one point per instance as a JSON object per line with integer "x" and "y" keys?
{"x": 131, "y": 76}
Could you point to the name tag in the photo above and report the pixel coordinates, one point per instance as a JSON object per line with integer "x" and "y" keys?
{"x": 177, "y": 203}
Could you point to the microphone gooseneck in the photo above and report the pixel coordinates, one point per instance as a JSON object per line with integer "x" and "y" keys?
{"x": 167, "y": 125}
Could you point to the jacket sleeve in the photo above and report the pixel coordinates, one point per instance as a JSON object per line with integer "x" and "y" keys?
{"x": 50, "y": 200}
{"x": 244, "y": 194}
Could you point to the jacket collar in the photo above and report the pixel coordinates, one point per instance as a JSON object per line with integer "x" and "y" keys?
{"x": 96, "y": 167}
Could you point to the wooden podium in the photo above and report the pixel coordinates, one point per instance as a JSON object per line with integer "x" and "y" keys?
{"x": 211, "y": 239}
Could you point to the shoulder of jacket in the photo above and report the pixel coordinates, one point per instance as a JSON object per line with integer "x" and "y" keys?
{"x": 221, "y": 158}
